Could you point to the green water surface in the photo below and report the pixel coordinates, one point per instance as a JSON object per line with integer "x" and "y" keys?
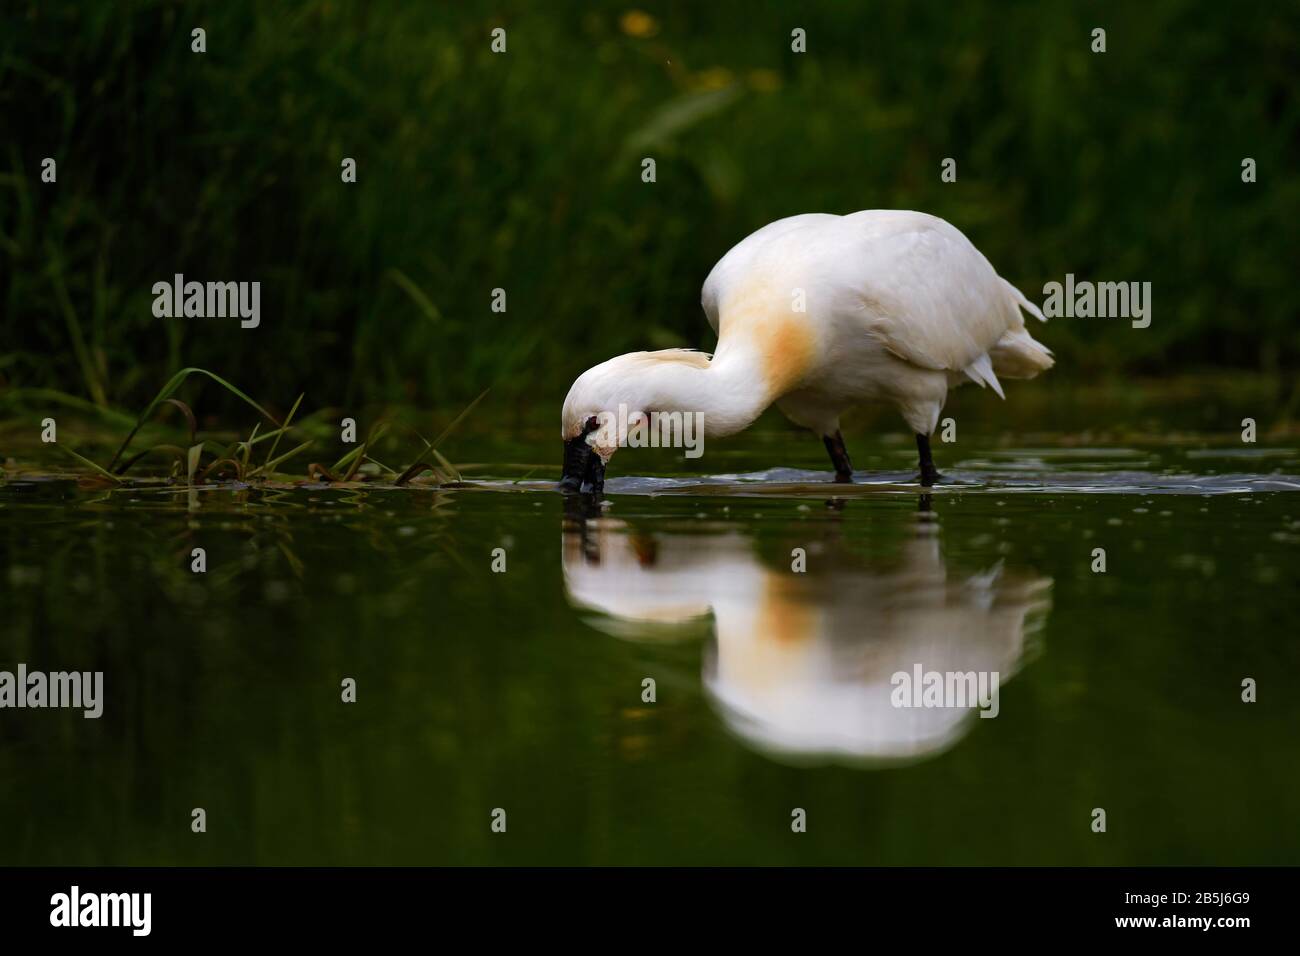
{"x": 523, "y": 689}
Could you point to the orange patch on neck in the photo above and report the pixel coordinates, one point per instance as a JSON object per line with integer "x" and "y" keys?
{"x": 778, "y": 646}
{"x": 760, "y": 314}
{"x": 788, "y": 617}
{"x": 786, "y": 344}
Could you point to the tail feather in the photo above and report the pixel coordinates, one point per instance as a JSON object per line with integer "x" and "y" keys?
{"x": 1024, "y": 303}
{"x": 1018, "y": 355}
{"x": 981, "y": 373}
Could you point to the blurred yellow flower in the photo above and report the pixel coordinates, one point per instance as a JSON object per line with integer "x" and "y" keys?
{"x": 765, "y": 81}
{"x": 714, "y": 78}
{"x": 638, "y": 23}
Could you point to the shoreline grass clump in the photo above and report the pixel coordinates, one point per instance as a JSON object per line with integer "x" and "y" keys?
{"x": 205, "y": 461}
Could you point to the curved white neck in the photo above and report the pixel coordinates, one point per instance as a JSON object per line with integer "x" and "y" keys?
{"x": 730, "y": 392}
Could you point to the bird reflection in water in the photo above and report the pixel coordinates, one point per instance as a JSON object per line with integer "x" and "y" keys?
{"x": 802, "y": 666}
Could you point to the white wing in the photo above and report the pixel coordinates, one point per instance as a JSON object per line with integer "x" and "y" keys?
{"x": 909, "y": 280}
{"x": 923, "y": 291}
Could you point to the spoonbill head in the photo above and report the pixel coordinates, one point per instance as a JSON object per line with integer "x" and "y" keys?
{"x": 817, "y": 314}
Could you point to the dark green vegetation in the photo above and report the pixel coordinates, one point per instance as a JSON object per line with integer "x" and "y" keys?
{"x": 521, "y": 171}
{"x": 204, "y": 461}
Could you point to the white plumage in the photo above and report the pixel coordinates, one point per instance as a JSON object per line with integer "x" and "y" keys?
{"x": 801, "y": 665}
{"x": 819, "y": 313}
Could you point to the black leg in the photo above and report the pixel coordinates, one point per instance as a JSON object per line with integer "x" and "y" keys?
{"x": 839, "y": 458}
{"x": 929, "y": 474}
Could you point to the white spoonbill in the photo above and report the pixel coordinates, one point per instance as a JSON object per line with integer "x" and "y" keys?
{"x": 805, "y": 665}
{"x": 819, "y": 313}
